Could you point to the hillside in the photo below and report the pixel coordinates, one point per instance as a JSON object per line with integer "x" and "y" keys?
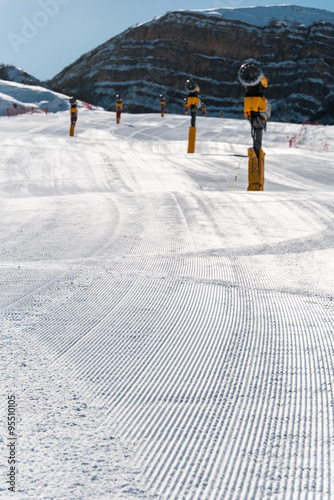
{"x": 295, "y": 46}
{"x": 18, "y": 98}
{"x": 11, "y": 73}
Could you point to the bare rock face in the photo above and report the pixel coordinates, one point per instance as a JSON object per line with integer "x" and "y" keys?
{"x": 294, "y": 45}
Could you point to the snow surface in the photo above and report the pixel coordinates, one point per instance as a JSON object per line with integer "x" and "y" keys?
{"x": 167, "y": 334}
{"x": 262, "y": 16}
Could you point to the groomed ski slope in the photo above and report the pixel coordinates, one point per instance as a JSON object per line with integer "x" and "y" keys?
{"x": 167, "y": 334}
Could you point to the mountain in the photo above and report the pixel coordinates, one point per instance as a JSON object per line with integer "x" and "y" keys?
{"x": 295, "y": 46}
{"x": 14, "y": 74}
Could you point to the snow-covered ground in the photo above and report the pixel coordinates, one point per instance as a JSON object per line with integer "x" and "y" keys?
{"x": 166, "y": 333}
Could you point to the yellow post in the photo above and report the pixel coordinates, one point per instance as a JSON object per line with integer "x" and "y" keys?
{"x": 255, "y": 170}
{"x": 262, "y": 154}
{"x": 192, "y": 140}
{"x": 74, "y": 116}
{"x": 119, "y": 109}
{"x": 162, "y": 106}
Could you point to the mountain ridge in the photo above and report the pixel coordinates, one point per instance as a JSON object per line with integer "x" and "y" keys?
{"x": 295, "y": 46}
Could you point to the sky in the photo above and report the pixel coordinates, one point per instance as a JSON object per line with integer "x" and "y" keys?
{"x": 44, "y": 36}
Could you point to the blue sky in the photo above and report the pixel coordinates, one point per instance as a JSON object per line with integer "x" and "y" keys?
{"x": 44, "y": 36}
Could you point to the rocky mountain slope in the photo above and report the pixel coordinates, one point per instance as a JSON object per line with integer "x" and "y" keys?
{"x": 295, "y": 45}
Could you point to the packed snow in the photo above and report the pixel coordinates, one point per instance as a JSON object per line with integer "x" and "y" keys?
{"x": 166, "y": 334}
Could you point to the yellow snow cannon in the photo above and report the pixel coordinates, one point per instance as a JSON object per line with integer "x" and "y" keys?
{"x": 257, "y": 110}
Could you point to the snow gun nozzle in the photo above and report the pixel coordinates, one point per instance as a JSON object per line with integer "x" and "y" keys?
{"x": 251, "y": 74}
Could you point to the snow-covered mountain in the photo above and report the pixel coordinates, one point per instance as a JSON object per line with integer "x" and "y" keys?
{"x": 294, "y": 44}
{"x": 18, "y": 98}
{"x": 13, "y": 74}
{"x": 263, "y": 15}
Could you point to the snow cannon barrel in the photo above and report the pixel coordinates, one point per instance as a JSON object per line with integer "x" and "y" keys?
{"x": 193, "y": 104}
{"x": 257, "y": 110}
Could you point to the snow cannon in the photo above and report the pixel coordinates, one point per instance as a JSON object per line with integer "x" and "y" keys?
{"x": 162, "y": 105}
{"x": 119, "y": 108}
{"x": 73, "y": 114}
{"x": 257, "y": 110}
{"x": 193, "y": 104}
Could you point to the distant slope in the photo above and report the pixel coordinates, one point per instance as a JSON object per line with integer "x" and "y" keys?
{"x": 18, "y": 96}
{"x": 14, "y": 74}
{"x": 294, "y": 44}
